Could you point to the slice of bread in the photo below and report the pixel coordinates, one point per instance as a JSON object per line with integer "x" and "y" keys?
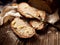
{"x": 36, "y": 24}
{"x": 22, "y": 28}
{"x": 31, "y": 12}
{"x": 28, "y": 11}
{"x": 42, "y": 15}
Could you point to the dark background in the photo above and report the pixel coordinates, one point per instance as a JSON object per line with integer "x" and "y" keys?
{"x": 53, "y": 5}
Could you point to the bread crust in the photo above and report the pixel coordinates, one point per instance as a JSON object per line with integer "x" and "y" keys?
{"x": 27, "y": 11}
{"x": 36, "y": 24}
{"x": 23, "y": 30}
{"x": 42, "y": 15}
{"x": 31, "y": 12}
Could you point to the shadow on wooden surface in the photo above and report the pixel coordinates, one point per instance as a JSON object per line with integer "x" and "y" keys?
{"x": 49, "y": 36}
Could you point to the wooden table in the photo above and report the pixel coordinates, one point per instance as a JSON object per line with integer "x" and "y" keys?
{"x": 50, "y": 36}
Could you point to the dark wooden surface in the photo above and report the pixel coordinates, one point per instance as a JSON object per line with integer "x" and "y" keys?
{"x": 49, "y": 36}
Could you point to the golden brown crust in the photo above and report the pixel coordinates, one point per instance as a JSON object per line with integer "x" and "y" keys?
{"x": 22, "y": 29}
{"x": 31, "y": 12}
{"x": 37, "y": 25}
{"x": 27, "y": 11}
{"x": 42, "y": 14}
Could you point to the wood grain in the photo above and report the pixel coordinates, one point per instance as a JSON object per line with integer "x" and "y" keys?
{"x": 7, "y": 37}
